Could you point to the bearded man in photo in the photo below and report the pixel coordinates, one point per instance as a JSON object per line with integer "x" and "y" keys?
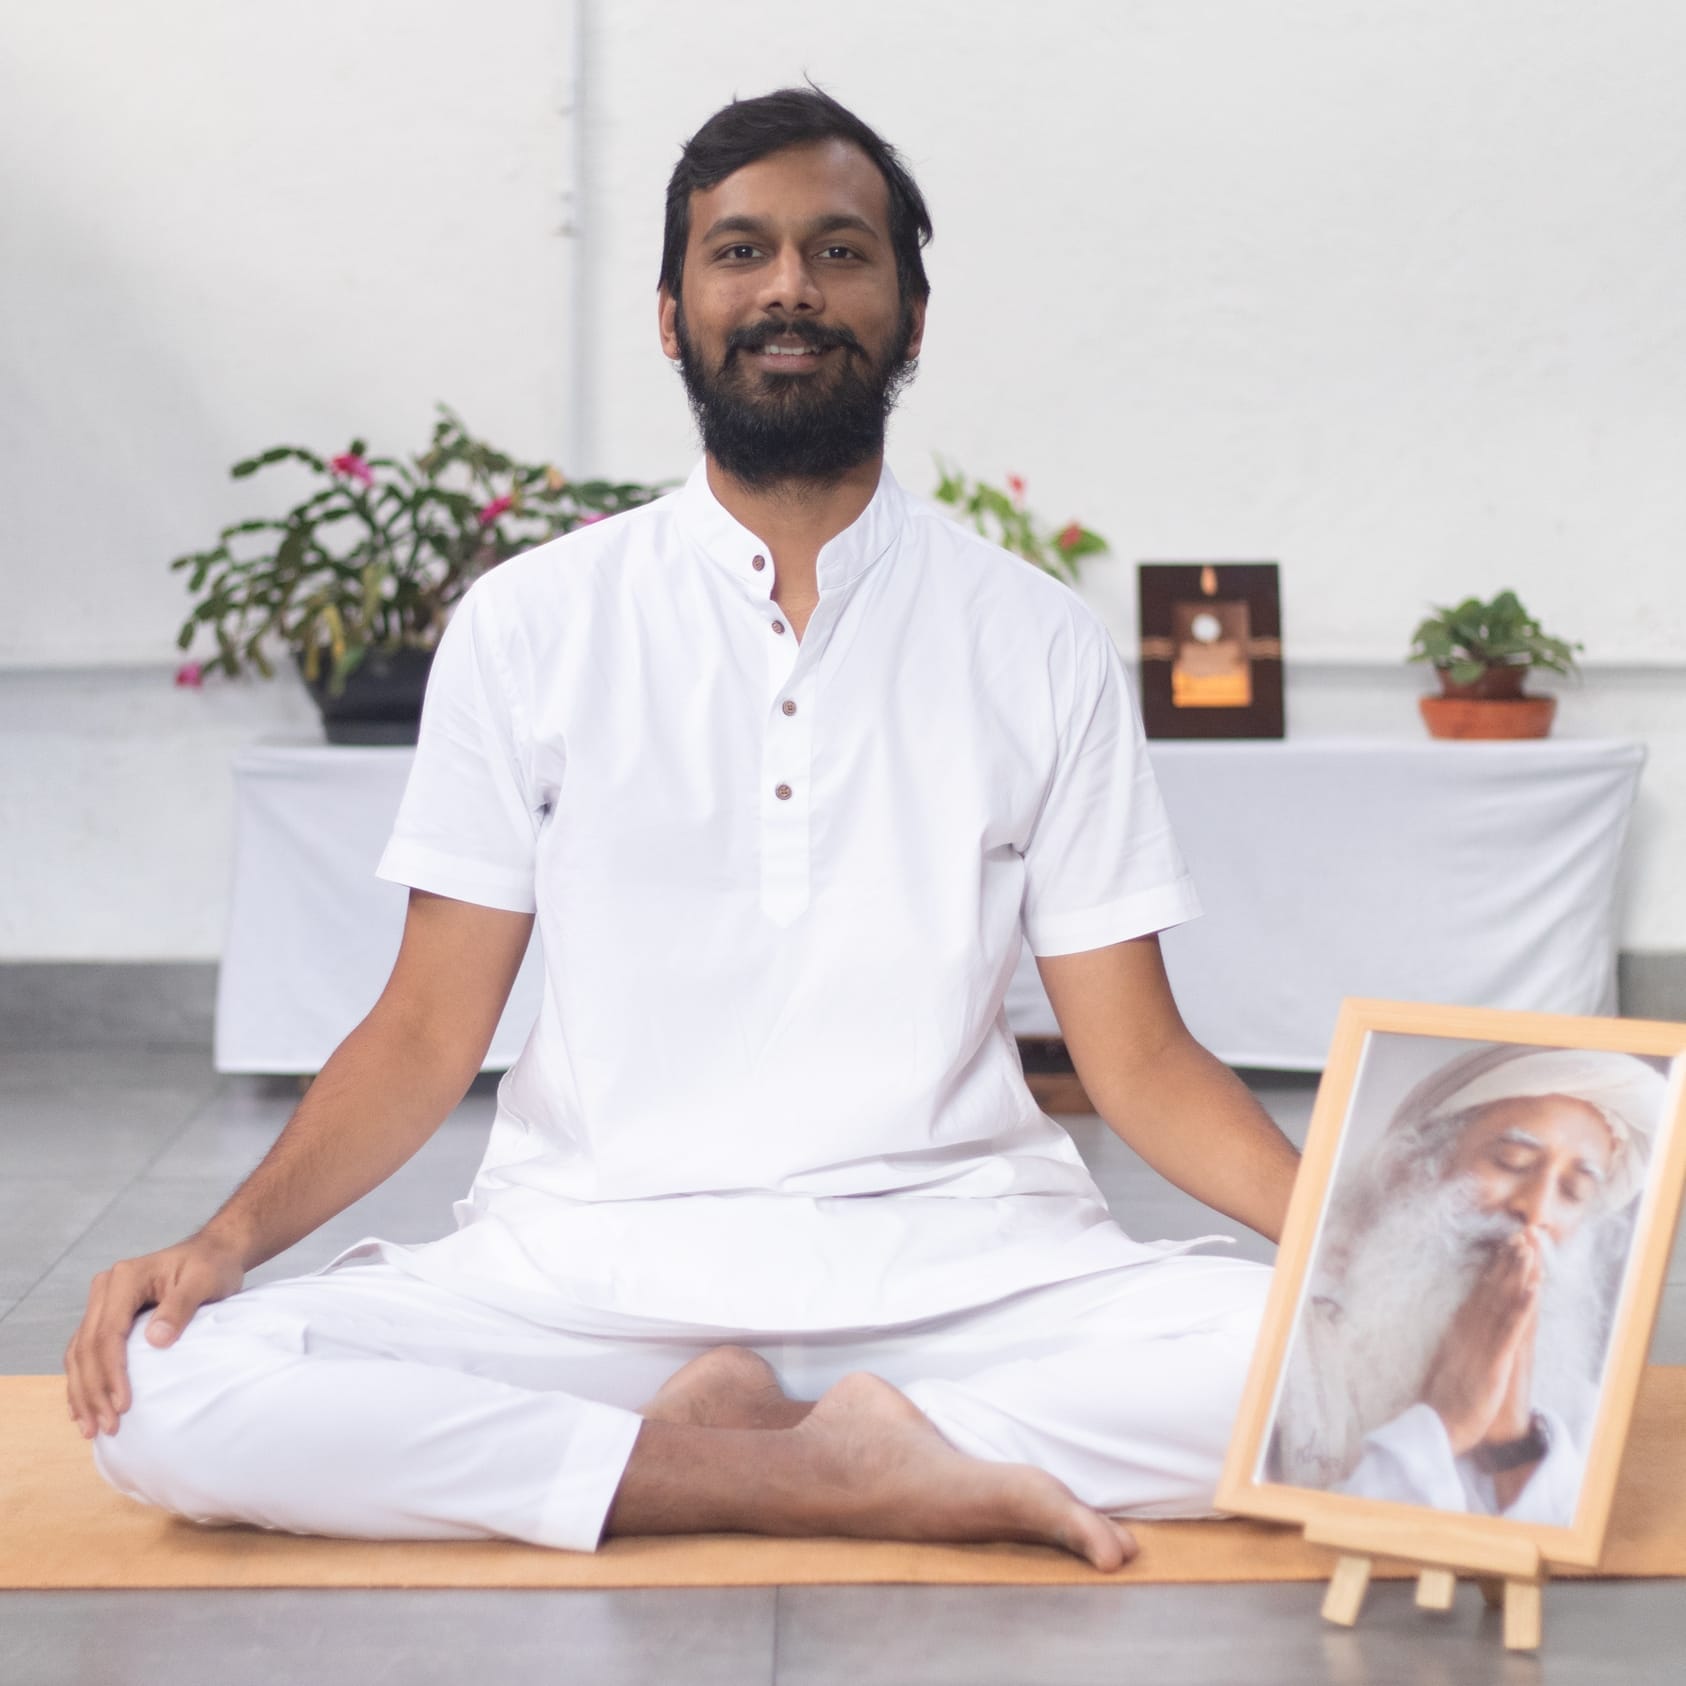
{"x": 1460, "y": 1307}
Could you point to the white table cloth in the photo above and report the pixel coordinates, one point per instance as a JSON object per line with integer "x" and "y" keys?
{"x": 312, "y": 933}
{"x": 1479, "y": 874}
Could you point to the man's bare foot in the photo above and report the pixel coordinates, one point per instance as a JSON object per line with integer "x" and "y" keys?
{"x": 728, "y": 1387}
{"x": 864, "y": 1462}
{"x": 891, "y": 1475}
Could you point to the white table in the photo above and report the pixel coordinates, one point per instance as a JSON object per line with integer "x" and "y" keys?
{"x": 1468, "y": 873}
{"x": 312, "y": 933}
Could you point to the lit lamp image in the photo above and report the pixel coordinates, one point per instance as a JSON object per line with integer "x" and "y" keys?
{"x": 1211, "y": 668}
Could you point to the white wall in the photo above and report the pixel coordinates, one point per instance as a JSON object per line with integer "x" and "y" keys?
{"x": 230, "y": 226}
{"x": 1394, "y": 292}
{"x": 1390, "y": 292}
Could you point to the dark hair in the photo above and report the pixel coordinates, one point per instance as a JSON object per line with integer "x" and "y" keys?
{"x": 747, "y": 130}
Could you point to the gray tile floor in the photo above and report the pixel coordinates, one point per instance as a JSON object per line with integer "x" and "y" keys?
{"x": 108, "y": 1152}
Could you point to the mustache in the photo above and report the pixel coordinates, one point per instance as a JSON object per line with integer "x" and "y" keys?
{"x": 818, "y": 335}
{"x": 1483, "y": 1233}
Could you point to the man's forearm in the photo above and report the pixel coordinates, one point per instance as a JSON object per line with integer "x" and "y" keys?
{"x": 382, "y": 1094}
{"x": 1197, "y": 1124}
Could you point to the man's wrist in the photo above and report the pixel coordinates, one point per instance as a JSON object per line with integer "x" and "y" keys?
{"x": 230, "y": 1236}
{"x": 1494, "y": 1457}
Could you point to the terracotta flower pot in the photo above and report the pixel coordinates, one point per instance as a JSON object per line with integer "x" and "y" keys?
{"x": 1483, "y": 717}
{"x": 1492, "y": 706}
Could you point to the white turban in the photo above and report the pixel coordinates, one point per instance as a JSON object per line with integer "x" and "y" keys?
{"x": 1626, "y": 1092}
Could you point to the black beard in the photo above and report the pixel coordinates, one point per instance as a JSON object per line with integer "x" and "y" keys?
{"x": 766, "y": 429}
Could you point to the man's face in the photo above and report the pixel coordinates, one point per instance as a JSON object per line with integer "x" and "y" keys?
{"x": 792, "y": 335}
{"x": 1542, "y": 1160}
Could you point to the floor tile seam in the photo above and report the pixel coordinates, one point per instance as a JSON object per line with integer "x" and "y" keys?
{"x": 87, "y": 1229}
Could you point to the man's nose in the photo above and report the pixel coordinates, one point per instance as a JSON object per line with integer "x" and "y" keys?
{"x": 1529, "y": 1200}
{"x": 790, "y": 283}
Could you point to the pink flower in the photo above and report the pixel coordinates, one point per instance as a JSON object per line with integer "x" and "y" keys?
{"x": 1069, "y": 537}
{"x": 591, "y": 520}
{"x": 1015, "y": 485}
{"x": 353, "y": 468}
{"x": 494, "y": 509}
{"x": 190, "y": 674}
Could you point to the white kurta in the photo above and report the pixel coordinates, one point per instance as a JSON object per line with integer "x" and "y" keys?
{"x": 781, "y": 888}
{"x": 1410, "y": 1461}
{"x": 771, "y": 1095}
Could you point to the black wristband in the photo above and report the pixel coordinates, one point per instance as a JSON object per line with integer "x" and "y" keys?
{"x": 1512, "y": 1454}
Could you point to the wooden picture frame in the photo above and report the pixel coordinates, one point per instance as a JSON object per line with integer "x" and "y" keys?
{"x": 1408, "y": 1087}
{"x": 1211, "y": 649}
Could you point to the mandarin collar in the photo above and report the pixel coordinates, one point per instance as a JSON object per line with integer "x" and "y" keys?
{"x": 842, "y": 559}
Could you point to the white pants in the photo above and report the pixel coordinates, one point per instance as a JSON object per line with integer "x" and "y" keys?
{"x": 367, "y": 1403}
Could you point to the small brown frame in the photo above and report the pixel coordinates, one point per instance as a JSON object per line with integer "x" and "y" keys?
{"x": 1485, "y": 1544}
{"x": 1167, "y": 595}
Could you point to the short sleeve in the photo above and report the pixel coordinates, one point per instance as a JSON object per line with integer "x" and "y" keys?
{"x": 467, "y": 826}
{"x": 1101, "y": 865}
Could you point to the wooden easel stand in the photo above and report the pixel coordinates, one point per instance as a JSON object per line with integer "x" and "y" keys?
{"x": 1507, "y": 1571}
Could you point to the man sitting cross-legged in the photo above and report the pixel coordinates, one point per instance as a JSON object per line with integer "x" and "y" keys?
{"x": 769, "y": 1234}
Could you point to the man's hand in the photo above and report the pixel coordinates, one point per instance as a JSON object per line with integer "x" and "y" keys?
{"x": 178, "y": 1281}
{"x": 1515, "y": 1414}
{"x": 1482, "y": 1372}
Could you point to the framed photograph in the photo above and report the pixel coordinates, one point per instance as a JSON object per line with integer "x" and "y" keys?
{"x": 1467, "y": 1282}
{"x": 1211, "y": 649}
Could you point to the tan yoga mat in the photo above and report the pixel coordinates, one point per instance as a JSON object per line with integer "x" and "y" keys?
{"x": 61, "y": 1526}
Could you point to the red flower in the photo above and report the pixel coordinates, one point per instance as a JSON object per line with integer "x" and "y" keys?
{"x": 191, "y": 674}
{"x": 353, "y": 468}
{"x": 1069, "y": 538}
{"x": 1015, "y": 485}
{"x": 494, "y": 509}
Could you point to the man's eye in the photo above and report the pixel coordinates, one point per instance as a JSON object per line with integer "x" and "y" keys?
{"x": 1510, "y": 1158}
{"x": 1578, "y": 1190}
{"x": 738, "y": 252}
{"x": 838, "y": 252}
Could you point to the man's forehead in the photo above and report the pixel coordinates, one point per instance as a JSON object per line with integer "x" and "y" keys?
{"x": 1562, "y": 1119}
{"x": 807, "y": 184}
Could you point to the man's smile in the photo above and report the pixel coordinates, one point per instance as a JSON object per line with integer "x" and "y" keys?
{"x": 795, "y": 352}
{"x": 785, "y": 358}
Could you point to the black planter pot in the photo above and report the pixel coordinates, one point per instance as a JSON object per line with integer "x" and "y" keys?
{"x": 382, "y": 699}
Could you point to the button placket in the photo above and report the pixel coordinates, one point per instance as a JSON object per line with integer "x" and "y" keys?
{"x": 785, "y": 759}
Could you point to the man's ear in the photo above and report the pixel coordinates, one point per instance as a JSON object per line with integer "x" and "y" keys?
{"x": 667, "y": 321}
{"x": 918, "y": 314}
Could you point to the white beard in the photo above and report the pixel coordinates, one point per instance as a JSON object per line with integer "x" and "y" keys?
{"x": 1384, "y": 1291}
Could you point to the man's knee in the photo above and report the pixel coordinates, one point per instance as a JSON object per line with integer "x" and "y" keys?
{"x": 139, "y": 1457}
{"x": 166, "y": 1448}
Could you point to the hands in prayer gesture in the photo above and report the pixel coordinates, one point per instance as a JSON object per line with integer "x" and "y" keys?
{"x": 1481, "y": 1379}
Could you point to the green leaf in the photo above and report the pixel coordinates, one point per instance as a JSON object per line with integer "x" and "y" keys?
{"x": 278, "y": 453}
{"x": 290, "y": 554}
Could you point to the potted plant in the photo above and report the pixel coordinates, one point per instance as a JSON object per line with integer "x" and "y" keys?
{"x": 359, "y": 579}
{"x": 1483, "y": 653}
{"x": 1002, "y": 517}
